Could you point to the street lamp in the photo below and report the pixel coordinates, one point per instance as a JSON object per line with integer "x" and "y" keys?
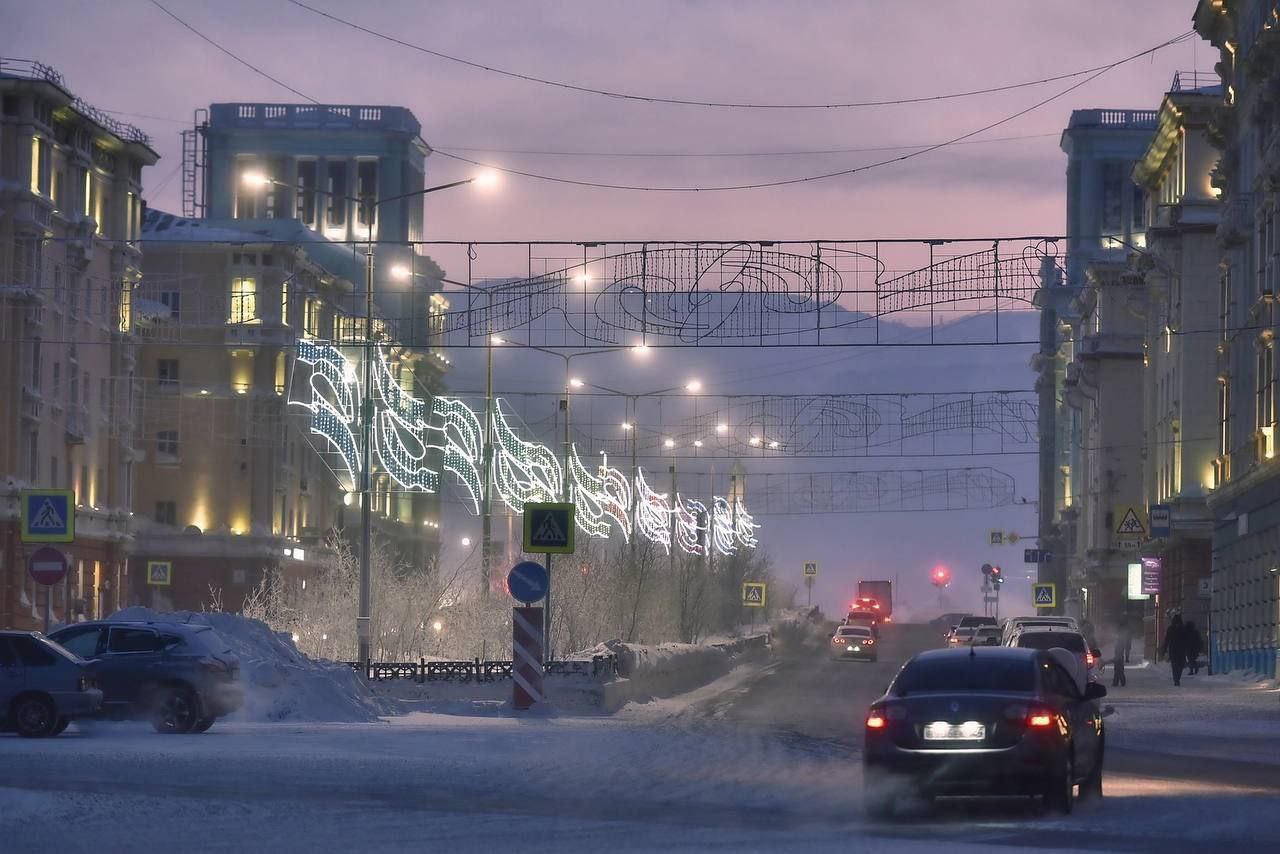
{"x": 466, "y": 542}
{"x": 369, "y": 204}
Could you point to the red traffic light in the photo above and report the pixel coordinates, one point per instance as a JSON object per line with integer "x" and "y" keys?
{"x": 941, "y": 575}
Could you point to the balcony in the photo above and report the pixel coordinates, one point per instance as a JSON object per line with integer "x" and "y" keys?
{"x": 32, "y": 403}
{"x": 1236, "y": 224}
{"x": 260, "y": 334}
{"x": 314, "y": 117}
{"x": 1111, "y": 344}
{"x": 77, "y": 425}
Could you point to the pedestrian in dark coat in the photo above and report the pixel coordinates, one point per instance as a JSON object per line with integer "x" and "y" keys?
{"x": 1124, "y": 638}
{"x": 1175, "y": 647}
{"x": 1195, "y": 645}
{"x": 1117, "y": 663}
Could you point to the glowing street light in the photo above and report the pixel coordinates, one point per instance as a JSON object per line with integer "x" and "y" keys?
{"x": 487, "y": 178}
{"x": 255, "y": 179}
{"x": 754, "y": 441}
{"x": 627, "y": 425}
{"x": 437, "y": 625}
{"x": 697, "y": 443}
{"x": 576, "y": 383}
{"x": 581, "y": 279}
{"x": 722, "y": 428}
{"x": 640, "y": 349}
{"x": 773, "y": 445}
{"x": 693, "y": 385}
{"x": 668, "y": 443}
{"x": 466, "y": 541}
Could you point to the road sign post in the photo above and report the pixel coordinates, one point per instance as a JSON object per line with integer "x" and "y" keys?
{"x": 48, "y": 515}
{"x": 527, "y": 582}
{"x": 810, "y": 573}
{"x": 159, "y": 573}
{"x": 548, "y": 529}
{"x": 526, "y": 657}
{"x": 1044, "y": 595}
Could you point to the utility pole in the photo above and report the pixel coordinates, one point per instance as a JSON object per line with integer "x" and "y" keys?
{"x": 486, "y": 491}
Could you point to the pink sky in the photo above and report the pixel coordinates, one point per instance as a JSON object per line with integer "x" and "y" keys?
{"x": 130, "y": 57}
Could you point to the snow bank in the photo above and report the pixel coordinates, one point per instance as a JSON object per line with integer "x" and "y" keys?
{"x": 648, "y": 671}
{"x": 280, "y": 683}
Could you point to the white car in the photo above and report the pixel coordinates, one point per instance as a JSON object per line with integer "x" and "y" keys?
{"x": 960, "y": 635}
{"x": 1058, "y": 637}
{"x": 1015, "y": 624}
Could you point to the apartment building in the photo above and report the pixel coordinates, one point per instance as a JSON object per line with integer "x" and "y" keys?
{"x": 1085, "y": 340}
{"x": 1245, "y": 502}
{"x": 1180, "y": 272}
{"x": 70, "y": 214}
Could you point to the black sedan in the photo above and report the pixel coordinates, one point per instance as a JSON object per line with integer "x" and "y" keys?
{"x": 984, "y": 721}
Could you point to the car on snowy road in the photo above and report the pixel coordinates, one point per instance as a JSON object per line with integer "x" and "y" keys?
{"x": 854, "y": 643}
{"x": 180, "y": 677}
{"x": 985, "y": 721}
{"x": 42, "y": 686}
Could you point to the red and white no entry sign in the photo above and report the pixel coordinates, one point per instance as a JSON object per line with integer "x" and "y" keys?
{"x": 47, "y": 566}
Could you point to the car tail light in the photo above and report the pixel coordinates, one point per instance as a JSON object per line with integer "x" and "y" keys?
{"x": 888, "y": 619}
{"x": 838, "y": 641}
{"x": 869, "y": 642}
{"x": 1089, "y": 659}
{"x": 1039, "y": 718}
{"x": 875, "y": 720}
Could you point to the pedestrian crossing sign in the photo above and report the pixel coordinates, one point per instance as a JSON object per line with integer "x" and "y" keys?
{"x": 159, "y": 573}
{"x": 48, "y": 515}
{"x": 548, "y": 528}
{"x": 1044, "y": 595}
{"x": 754, "y": 594}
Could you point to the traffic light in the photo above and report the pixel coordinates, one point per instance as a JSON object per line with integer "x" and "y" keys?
{"x": 997, "y": 576}
{"x": 941, "y": 576}
{"x": 986, "y": 569}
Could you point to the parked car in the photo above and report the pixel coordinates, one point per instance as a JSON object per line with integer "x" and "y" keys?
{"x": 948, "y": 620}
{"x": 960, "y": 635}
{"x": 973, "y": 621}
{"x": 984, "y": 720}
{"x": 854, "y": 643}
{"x": 42, "y": 686}
{"x": 179, "y": 676}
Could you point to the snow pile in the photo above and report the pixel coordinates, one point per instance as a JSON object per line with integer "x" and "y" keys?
{"x": 280, "y": 683}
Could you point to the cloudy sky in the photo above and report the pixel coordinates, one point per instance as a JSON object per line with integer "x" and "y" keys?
{"x": 131, "y": 57}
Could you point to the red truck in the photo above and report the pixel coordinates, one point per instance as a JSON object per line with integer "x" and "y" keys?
{"x": 876, "y": 596}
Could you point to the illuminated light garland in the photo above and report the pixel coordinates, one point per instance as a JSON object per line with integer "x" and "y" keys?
{"x": 691, "y": 525}
{"x": 722, "y": 532}
{"x": 401, "y": 415}
{"x": 463, "y": 444}
{"x": 586, "y": 491}
{"x": 333, "y": 393}
{"x": 746, "y": 528}
{"x": 653, "y": 514}
{"x": 523, "y": 471}
{"x": 616, "y": 500}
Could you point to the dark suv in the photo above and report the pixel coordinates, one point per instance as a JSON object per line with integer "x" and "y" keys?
{"x": 179, "y": 676}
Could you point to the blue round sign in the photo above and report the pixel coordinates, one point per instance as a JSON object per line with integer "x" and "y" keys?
{"x": 527, "y": 581}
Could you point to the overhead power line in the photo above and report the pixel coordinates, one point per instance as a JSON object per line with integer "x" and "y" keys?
{"x": 720, "y": 188}
{"x": 691, "y": 102}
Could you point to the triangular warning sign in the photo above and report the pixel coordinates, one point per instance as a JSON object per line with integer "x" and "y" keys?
{"x": 47, "y": 518}
{"x": 1130, "y": 524}
{"x": 753, "y": 594}
{"x": 549, "y": 531}
{"x": 1044, "y": 595}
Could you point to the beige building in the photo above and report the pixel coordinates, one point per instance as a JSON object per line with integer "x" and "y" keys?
{"x": 1180, "y": 269}
{"x": 70, "y": 214}
{"x": 231, "y": 481}
{"x": 1104, "y": 383}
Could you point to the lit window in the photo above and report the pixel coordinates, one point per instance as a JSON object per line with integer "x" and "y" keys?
{"x": 244, "y": 300}
{"x": 284, "y": 303}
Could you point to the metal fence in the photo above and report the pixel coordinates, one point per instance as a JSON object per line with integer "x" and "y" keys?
{"x": 476, "y": 670}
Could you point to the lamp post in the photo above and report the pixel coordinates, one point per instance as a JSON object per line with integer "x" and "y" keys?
{"x": 369, "y": 205}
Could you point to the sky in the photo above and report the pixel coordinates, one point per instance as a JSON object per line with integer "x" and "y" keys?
{"x": 129, "y": 56}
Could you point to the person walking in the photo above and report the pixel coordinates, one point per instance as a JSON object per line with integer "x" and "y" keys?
{"x": 1195, "y": 645}
{"x": 1124, "y": 638}
{"x": 1118, "y": 656}
{"x": 1175, "y": 647}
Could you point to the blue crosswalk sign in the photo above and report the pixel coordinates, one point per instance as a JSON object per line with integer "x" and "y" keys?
{"x": 48, "y": 516}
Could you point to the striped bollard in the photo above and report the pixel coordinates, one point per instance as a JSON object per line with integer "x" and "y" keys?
{"x": 526, "y": 657}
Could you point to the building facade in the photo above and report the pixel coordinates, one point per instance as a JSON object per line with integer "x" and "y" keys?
{"x": 1245, "y": 502}
{"x": 1085, "y": 339}
{"x": 1180, "y": 271}
{"x": 70, "y": 216}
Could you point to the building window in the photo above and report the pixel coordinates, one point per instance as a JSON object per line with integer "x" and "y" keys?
{"x": 41, "y": 167}
{"x": 367, "y": 190}
{"x": 167, "y": 446}
{"x": 57, "y": 382}
{"x": 337, "y": 192}
{"x": 284, "y": 303}
{"x": 126, "y": 309}
{"x": 1266, "y": 386}
{"x": 33, "y": 455}
{"x": 172, "y": 300}
{"x": 280, "y": 373}
{"x": 167, "y": 374}
{"x": 167, "y": 512}
{"x": 1112, "y": 196}
{"x": 311, "y": 318}
{"x": 307, "y": 192}
{"x": 244, "y": 300}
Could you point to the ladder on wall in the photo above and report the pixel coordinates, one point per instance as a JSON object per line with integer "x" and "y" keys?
{"x": 193, "y": 166}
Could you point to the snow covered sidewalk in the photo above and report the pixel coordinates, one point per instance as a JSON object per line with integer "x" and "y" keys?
{"x": 1229, "y": 716}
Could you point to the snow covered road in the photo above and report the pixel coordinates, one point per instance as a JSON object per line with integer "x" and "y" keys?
{"x": 726, "y": 768}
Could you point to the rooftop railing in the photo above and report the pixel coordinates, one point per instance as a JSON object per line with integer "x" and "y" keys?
{"x": 31, "y": 69}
